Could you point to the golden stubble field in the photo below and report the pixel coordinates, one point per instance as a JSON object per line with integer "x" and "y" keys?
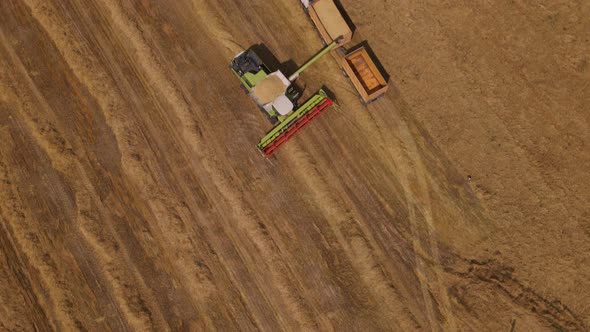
{"x": 132, "y": 196}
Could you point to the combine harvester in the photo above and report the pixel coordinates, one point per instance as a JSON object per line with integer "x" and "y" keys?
{"x": 277, "y": 96}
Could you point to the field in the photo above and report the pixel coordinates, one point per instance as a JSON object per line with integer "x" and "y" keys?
{"x": 132, "y": 196}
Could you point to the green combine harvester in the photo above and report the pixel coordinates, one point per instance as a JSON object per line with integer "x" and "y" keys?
{"x": 277, "y": 97}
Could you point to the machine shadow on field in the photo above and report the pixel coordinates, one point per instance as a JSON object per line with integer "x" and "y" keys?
{"x": 271, "y": 60}
{"x": 273, "y": 64}
{"x": 266, "y": 56}
{"x": 345, "y": 15}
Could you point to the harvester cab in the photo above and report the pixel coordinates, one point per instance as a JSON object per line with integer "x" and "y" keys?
{"x": 277, "y": 96}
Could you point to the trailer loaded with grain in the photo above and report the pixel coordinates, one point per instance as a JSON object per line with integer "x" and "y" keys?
{"x": 363, "y": 73}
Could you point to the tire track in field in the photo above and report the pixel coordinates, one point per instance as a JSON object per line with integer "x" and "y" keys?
{"x": 129, "y": 290}
{"x": 417, "y": 190}
{"x": 152, "y": 65}
{"x": 62, "y": 158}
{"x": 11, "y": 212}
{"x": 22, "y": 225}
{"x": 401, "y": 148}
{"x": 402, "y": 153}
{"x": 25, "y": 236}
{"x": 364, "y": 121}
{"x": 432, "y": 245}
{"x": 129, "y": 136}
{"x": 355, "y": 243}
